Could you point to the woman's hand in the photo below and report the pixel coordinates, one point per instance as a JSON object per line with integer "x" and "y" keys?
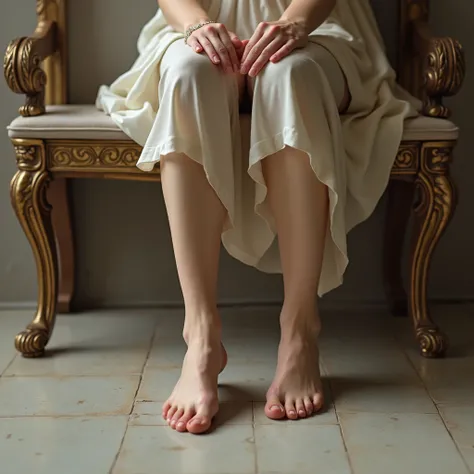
{"x": 272, "y": 41}
{"x": 222, "y": 46}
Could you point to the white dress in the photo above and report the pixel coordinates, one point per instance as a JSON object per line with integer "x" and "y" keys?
{"x": 294, "y": 104}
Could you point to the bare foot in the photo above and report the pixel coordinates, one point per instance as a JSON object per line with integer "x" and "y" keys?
{"x": 296, "y": 390}
{"x": 194, "y": 402}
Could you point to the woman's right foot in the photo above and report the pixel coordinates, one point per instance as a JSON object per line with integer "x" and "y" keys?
{"x": 194, "y": 401}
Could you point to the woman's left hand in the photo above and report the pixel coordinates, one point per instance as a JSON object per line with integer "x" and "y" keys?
{"x": 272, "y": 41}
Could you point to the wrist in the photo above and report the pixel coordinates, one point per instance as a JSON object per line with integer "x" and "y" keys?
{"x": 194, "y": 22}
{"x": 300, "y": 23}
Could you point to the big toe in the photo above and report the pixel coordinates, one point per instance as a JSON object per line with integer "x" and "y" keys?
{"x": 274, "y": 409}
{"x": 199, "y": 424}
{"x": 318, "y": 402}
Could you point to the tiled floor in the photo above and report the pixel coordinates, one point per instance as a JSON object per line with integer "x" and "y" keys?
{"x": 92, "y": 406}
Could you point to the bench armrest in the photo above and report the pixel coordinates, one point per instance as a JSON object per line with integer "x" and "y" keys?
{"x": 444, "y": 68}
{"x": 22, "y": 66}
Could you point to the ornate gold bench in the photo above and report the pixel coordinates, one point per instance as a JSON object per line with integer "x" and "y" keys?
{"x": 55, "y": 142}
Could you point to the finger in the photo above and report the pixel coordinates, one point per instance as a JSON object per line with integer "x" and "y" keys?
{"x": 258, "y": 33}
{"x": 285, "y": 50}
{"x": 210, "y": 50}
{"x": 227, "y": 42}
{"x": 221, "y": 51}
{"x": 265, "y": 56}
{"x": 256, "y": 52}
{"x": 194, "y": 43}
{"x": 236, "y": 41}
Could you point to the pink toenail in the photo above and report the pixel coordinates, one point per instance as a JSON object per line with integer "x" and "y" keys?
{"x": 302, "y": 413}
{"x": 292, "y": 413}
{"x": 277, "y": 407}
{"x": 180, "y": 425}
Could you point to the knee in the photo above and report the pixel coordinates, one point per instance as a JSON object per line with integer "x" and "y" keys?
{"x": 292, "y": 69}
{"x": 193, "y": 71}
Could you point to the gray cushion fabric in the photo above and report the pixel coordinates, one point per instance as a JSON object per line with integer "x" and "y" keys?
{"x": 85, "y": 122}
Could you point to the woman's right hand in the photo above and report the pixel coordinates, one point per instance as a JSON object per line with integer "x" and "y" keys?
{"x": 222, "y": 46}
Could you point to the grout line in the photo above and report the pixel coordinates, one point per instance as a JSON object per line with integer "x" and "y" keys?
{"x": 438, "y": 412}
{"x": 333, "y": 400}
{"x": 15, "y": 355}
{"x": 147, "y": 356}
{"x": 254, "y": 439}
{"x": 458, "y": 449}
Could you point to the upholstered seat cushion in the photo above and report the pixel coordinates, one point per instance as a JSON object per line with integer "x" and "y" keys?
{"x": 85, "y": 122}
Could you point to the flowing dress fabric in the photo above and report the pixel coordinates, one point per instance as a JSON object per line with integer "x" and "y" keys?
{"x": 294, "y": 104}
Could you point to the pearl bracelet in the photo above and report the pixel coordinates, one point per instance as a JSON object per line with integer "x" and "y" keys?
{"x": 193, "y": 28}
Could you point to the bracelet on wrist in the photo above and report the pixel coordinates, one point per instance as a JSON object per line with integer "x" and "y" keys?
{"x": 190, "y": 30}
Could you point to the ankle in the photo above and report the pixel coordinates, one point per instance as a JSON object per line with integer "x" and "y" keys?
{"x": 205, "y": 327}
{"x": 300, "y": 322}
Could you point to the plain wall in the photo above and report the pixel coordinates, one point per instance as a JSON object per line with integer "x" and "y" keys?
{"x": 124, "y": 254}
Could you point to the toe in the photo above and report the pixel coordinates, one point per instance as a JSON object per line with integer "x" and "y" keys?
{"x": 199, "y": 424}
{"x": 179, "y": 413}
{"x": 170, "y": 414}
{"x": 165, "y": 410}
{"x": 184, "y": 420}
{"x": 308, "y": 404}
{"x": 300, "y": 408}
{"x": 291, "y": 410}
{"x": 318, "y": 402}
{"x": 274, "y": 409}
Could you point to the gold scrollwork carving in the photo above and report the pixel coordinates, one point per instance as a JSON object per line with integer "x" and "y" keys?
{"x": 23, "y": 73}
{"x": 28, "y": 195}
{"x": 433, "y": 343}
{"x": 407, "y": 159}
{"x": 434, "y": 210}
{"x": 72, "y": 155}
{"x": 443, "y": 76}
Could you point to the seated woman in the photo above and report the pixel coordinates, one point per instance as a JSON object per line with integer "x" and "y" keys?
{"x": 326, "y": 123}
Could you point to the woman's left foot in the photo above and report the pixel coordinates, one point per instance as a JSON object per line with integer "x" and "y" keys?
{"x": 296, "y": 391}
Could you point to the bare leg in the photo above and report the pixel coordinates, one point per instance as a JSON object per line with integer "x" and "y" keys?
{"x": 299, "y": 203}
{"x": 196, "y": 218}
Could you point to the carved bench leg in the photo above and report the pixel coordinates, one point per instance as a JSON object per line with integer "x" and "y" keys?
{"x": 28, "y": 194}
{"x": 437, "y": 202}
{"x": 399, "y": 206}
{"x": 58, "y": 197}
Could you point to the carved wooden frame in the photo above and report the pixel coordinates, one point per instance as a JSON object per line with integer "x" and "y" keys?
{"x": 429, "y": 67}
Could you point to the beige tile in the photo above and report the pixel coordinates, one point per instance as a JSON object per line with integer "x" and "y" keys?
{"x": 7, "y": 354}
{"x": 11, "y": 323}
{"x": 246, "y": 382}
{"x": 60, "y": 445}
{"x": 230, "y": 413}
{"x": 67, "y": 396}
{"x": 93, "y": 344}
{"x": 378, "y": 364}
{"x": 396, "y": 397}
{"x": 460, "y": 423}
{"x": 326, "y": 417}
{"x": 167, "y": 352}
{"x": 153, "y": 449}
{"x": 395, "y": 443}
{"x": 157, "y": 384}
{"x": 300, "y": 449}
{"x": 147, "y": 414}
{"x": 449, "y": 380}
